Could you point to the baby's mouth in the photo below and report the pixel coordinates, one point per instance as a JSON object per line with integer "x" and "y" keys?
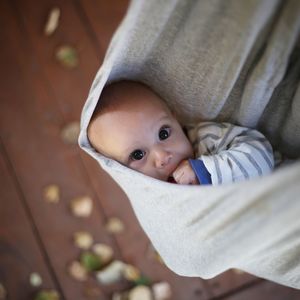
{"x": 170, "y": 170}
{"x": 171, "y": 179}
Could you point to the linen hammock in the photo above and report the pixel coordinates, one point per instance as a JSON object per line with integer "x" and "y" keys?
{"x": 234, "y": 61}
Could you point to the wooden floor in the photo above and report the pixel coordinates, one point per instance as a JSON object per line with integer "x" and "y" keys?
{"x": 39, "y": 97}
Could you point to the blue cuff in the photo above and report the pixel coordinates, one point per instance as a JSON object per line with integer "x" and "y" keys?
{"x": 200, "y": 170}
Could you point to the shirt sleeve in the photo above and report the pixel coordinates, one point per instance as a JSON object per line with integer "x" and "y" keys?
{"x": 231, "y": 153}
{"x": 200, "y": 170}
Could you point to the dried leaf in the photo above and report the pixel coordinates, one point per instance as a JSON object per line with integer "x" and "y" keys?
{"x": 52, "y": 21}
{"x": 90, "y": 261}
{"x": 70, "y": 133}
{"x": 162, "y": 291}
{"x": 114, "y": 225}
{"x": 47, "y": 295}
{"x": 105, "y": 252}
{"x": 77, "y": 271}
{"x": 131, "y": 273}
{"x": 52, "y": 193}
{"x": 35, "y": 279}
{"x": 3, "y": 292}
{"x": 67, "y": 56}
{"x": 82, "y": 206}
{"x": 142, "y": 280}
{"x": 140, "y": 293}
{"x": 112, "y": 273}
{"x": 83, "y": 239}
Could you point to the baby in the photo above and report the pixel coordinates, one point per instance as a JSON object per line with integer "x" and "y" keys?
{"x": 134, "y": 126}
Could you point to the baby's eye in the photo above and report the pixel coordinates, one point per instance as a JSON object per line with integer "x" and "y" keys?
{"x": 164, "y": 133}
{"x": 137, "y": 154}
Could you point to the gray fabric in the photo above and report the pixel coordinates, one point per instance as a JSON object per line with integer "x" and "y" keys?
{"x": 234, "y": 61}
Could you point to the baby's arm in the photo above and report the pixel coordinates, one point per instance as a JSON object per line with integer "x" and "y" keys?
{"x": 232, "y": 153}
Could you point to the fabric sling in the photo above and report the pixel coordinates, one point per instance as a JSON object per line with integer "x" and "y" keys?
{"x": 224, "y": 61}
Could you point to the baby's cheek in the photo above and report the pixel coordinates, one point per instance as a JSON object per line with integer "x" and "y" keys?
{"x": 182, "y": 145}
{"x": 187, "y": 146}
{"x": 137, "y": 167}
{"x": 149, "y": 171}
{"x": 188, "y": 151}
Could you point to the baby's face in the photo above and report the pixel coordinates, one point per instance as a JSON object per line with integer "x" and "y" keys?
{"x": 142, "y": 134}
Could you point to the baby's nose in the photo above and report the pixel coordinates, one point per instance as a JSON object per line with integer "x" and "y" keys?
{"x": 162, "y": 158}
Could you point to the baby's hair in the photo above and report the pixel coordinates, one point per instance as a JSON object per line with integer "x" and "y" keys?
{"x": 113, "y": 95}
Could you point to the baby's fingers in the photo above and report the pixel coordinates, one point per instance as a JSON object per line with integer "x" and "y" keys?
{"x": 178, "y": 176}
{"x": 184, "y": 177}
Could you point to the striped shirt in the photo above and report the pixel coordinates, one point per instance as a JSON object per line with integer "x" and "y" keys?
{"x": 231, "y": 153}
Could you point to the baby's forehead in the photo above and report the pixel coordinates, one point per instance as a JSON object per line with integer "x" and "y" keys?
{"x": 128, "y": 89}
{"x": 139, "y": 97}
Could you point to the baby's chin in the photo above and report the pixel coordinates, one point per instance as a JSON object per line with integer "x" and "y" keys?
{"x": 161, "y": 177}
{"x": 168, "y": 176}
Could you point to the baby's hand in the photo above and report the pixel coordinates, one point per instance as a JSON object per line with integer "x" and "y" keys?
{"x": 184, "y": 174}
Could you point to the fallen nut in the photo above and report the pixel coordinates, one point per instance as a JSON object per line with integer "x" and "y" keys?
{"x": 51, "y": 193}
{"x": 112, "y": 273}
{"x": 83, "y": 239}
{"x": 114, "y": 225}
{"x": 238, "y": 271}
{"x": 70, "y": 133}
{"x": 77, "y": 271}
{"x": 35, "y": 279}
{"x": 52, "y": 21}
{"x": 140, "y": 292}
{"x": 82, "y": 206}
{"x": 131, "y": 273}
{"x": 161, "y": 291}
{"x": 105, "y": 252}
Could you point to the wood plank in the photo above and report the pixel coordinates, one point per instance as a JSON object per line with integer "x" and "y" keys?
{"x": 102, "y": 19}
{"x": 68, "y": 87}
{"x": 30, "y": 126}
{"x": 230, "y": 281}
{"x": 266, "y": 290}
{"x": 133, "y": 241}
{"x": 20, "y": 251}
